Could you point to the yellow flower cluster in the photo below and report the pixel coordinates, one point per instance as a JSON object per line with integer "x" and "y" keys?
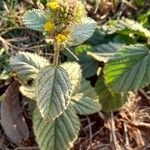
{"x": 49, "y": 26}
{"x": 60, "y": 38}
{"x": 53, "y": 5}
{"x": 61, "y": 14}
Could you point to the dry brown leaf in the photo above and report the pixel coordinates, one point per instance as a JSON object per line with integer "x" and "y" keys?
{"x": 12, "y": 119}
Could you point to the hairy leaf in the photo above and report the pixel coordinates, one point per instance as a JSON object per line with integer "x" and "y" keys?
{"x": 82, "y": 31}
{"x": 12, "y": 119}
{"x": 127, "y": 26}
{"x": 27, "y": 65}
{"x": 109, "y": 100}
{"x": 104, "y": 52}
{"x": 98, "y": 37}
{"x": 89, "y": 66}
{"x": 34, "y": 19}
{"x": 74, "y": 72}
{"x": 84, "y": 105}
{"x": 58, "y": 134}
{"x": 84, "y": 101}
{"x": 53, "y": 91}
{"x": 129, "y": 69}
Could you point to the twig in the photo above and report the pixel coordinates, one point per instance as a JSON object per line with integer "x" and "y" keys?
{"x": 97, "y": 6}
{"x": 90, "y": 132}
{"x": 127, "y": 143}
{"x": 129, "y": 4}
{"x": 140, "y": 124}
{"x": 116, "y": 146}
{"x": 144, "y": 94}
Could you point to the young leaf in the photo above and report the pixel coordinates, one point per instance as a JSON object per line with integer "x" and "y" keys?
{"x": 53, "y": 91}
{"x": 34, "y": 19}
{"x": 129, "y": 69}
{"x": 58, "y": 134}
{"x": 75, "y": 75}
{"x": 84, "y": 101}
{"x": 82, "y": 31}
{"x": 27, "y": 65}
{"x": 12, "y": 119}
{"x": 109, "y": 100}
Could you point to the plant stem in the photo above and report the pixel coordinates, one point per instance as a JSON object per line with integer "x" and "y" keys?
{"x": 56, "y": 54}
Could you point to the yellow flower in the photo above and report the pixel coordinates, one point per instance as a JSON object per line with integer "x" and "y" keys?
{"x": 48, "y": 26}
{"x": 60, "y": 38}
{"x": 53, "y": 5}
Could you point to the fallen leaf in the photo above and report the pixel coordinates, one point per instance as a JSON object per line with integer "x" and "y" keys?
{"x": 12, "y": 119}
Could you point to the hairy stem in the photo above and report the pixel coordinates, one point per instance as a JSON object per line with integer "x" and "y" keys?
{"x": 56, "y": 54}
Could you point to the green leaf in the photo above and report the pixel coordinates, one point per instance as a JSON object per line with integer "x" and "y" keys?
{"x": 27, "y": 65}
{"x": 88, "y": 64}
{"x": 129, "y": 69}
{"x": 28, "y": 91}
{"x": 85, "y": 105}
{"x": 82, "y": 31}
{"x": 59, "y": 134}
{"x": 34, "y": 19}
{"x": 74, "y": 71}
{"x": 84, "y": 101}
{"x": 124, "y": 39}
{"x": 98, "y": 37}
{"x": 104, "y": 52}
{"x": 127, "y": 26}
{"x": 109, "y": 100}
{"x": 139, "y": 2}
{"x": 87, "y": 89}
{"x": 83, "y": 48}
{"x": 53, "y": 91}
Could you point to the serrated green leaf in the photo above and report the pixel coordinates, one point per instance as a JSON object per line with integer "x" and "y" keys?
{"x": 82, "y": 31}
{"x": 104, "y": 52}
{"x": 127, "y": 26}
{"x": 109, "y": 100}
{"x": 83, "y": 48}
{"x": 27, "y": 65}
{"x": 59, "y": 134}
{"x": 129, "y": 69}
{"x": 85, "y": 105}
{"x": 84, "y": 101}
{"x": 34, "y": 19}
{"x": 124, "y": 39}
{"x": 53, "y": 91}
{"x": 98, "y": 37}
{"x": 74, "y": 72}
{"x": 87, "y": 89}
{"x": 89, "y": 65}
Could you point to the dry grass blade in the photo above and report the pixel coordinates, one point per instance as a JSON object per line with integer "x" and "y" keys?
{"x": 12, "y": 120}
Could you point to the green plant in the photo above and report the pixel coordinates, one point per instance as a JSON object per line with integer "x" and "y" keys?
{"x": 121, "y": 48}
{"x": 59, "y": 90}
{"x": 115, "y": 58}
